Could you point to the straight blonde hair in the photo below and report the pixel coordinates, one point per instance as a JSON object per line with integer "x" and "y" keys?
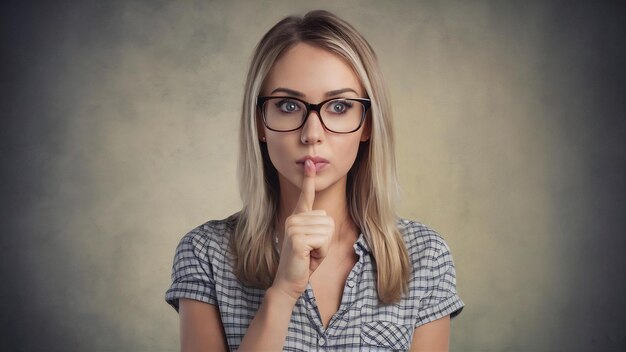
{"x": 372, "y": 186}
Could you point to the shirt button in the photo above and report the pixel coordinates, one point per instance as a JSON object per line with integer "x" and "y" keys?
{"x": 350, "y": 283}
{"x": 321, "y": 341}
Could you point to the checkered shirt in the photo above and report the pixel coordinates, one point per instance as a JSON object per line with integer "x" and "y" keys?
{"x": 203, "y": 271}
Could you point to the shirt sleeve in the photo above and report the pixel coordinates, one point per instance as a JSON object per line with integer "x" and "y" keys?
{"x": 192, "y": 273}
{"x": 441, "y": 299}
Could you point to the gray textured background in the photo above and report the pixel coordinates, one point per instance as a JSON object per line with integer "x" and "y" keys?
{"x": 118, "y": 135}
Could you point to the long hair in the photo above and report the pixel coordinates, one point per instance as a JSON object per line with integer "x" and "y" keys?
{"x": 372, "y": 186}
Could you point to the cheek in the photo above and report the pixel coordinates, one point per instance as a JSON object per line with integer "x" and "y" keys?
{"x": 278, "y": 152}
{"x": 346, "y": 152}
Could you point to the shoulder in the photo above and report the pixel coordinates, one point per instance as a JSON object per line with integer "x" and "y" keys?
{"x": 213, "y": 235}
{"x": 433, "y": 277}
{"x": 421, "y": 240}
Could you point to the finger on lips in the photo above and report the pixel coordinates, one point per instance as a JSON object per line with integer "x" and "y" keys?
{"x": 307, "y": 194}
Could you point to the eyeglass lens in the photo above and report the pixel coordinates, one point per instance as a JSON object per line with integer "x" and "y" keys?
{"x": 338, "y": 115}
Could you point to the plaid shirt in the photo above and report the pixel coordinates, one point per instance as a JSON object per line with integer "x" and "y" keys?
{"x": 203, "y": 271}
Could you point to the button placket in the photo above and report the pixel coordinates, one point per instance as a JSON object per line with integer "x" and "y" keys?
{"x": 313, "y": 310}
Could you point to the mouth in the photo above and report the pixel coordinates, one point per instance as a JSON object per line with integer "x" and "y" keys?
{"x": 320, "y": 163}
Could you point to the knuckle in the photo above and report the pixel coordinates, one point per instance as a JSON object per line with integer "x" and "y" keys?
{"x": 298, "y": 241}
{"x": 291, "y": 221}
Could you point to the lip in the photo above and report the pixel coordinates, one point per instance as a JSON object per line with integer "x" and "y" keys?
{"x": 315, "y": 159}
{"x": 320, "y": 163}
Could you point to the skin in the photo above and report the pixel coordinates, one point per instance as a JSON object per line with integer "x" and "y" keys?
{"x": 315, "y": 232}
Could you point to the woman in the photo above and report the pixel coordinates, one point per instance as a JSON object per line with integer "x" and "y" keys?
{"x": 317, "y": 258}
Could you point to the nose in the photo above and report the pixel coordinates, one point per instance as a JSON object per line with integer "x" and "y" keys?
{"x": 313, "y": 130}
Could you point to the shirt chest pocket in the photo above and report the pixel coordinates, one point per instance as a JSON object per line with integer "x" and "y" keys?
{"x": 385, "y": 335}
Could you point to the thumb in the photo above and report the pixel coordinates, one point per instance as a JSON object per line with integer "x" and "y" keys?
{"x": 307, "y": 194}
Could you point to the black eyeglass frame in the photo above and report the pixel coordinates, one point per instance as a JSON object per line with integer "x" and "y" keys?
{"x": 260, "y": 103}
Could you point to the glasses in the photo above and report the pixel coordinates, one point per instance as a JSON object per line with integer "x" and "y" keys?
{"x": 339, "y": 115}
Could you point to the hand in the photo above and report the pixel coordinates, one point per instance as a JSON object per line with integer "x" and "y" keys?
{"x": 307, "y": 239}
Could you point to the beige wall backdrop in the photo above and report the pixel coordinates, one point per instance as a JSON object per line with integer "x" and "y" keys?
{"x": 119, "y": 135}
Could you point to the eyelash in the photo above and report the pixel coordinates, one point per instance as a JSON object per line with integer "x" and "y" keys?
{"x": 279, "y": 103}
{"x": 347, "y": 103}
{"x": 285, "y": 101}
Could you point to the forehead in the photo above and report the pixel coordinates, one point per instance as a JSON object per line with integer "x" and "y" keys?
{"x": 311, "y": 70}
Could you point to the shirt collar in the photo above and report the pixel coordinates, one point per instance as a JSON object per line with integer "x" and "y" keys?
{"x": 361, "y": 243}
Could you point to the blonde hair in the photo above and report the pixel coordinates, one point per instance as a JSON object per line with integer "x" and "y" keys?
{"x": 372, "y": 185}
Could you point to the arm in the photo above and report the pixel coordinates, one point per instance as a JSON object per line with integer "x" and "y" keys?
{"x": 268, "y": 329}
{"x": 305, "y": 245}
{"x": 200, "y": 327}
{"x": 433, "y": 336}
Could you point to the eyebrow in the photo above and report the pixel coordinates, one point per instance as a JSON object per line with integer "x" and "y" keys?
{"x": 301, "y": 95}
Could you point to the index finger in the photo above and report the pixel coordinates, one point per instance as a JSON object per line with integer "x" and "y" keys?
{"x": 307, "y": 194}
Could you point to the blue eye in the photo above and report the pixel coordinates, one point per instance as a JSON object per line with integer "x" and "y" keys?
{"x": 340, "y": 107}
{"x": 287, "y": 106}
